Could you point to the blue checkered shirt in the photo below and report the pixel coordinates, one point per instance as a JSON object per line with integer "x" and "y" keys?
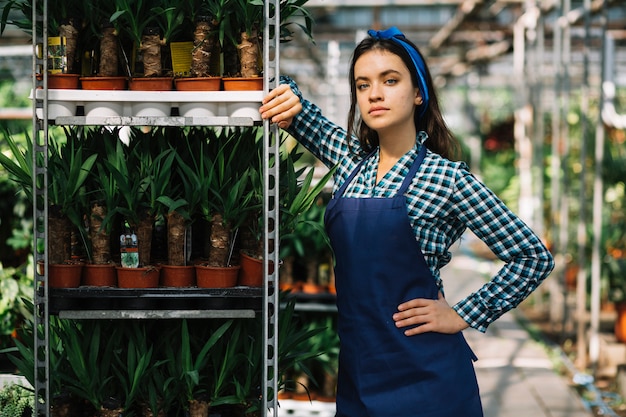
{"x": 443, "y": 200}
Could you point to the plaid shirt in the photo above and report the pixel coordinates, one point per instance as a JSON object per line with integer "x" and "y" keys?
{"x": 443, "y": 200}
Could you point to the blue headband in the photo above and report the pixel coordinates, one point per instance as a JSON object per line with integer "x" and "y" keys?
{"x": 393, "y": 34}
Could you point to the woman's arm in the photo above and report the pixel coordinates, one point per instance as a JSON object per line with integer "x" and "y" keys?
{"x": 303, "y": 120}
{"x": 527, "y": 261}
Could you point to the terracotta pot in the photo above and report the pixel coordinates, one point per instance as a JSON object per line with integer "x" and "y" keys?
{"x": 99, "y": 275}
{"x": 311, "y": 288}
{"x": 198, "y": 83}
{"x": 178, "y": 276}
{"x": 151, "y": 84}
{"x": 620, "y": 322}
{"x": 64, "y": 275}
{"x": 62, "y": 81}
{"x": 216, "y": 276}
{"x": 147, "y": 277}
{"x": 243, "y": 84}
{"x": 104, "y": 83}
{"x": 252, "y": 271}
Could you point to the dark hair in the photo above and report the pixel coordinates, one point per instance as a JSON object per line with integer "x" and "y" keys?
{"x": 440, "y": 138}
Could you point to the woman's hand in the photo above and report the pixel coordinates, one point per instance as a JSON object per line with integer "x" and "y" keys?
{"x": 428, "y": 316}
{"x": 280, "y": 106}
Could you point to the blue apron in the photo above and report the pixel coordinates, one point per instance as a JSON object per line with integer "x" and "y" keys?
{"x": 379, "y": 265}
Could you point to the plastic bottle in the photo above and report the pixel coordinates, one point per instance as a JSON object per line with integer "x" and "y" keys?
{"x": 128, "y": 249}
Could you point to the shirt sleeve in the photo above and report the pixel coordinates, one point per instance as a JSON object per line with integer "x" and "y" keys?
{"x": 527, "y": 261}
{"x": 323, "y": 138}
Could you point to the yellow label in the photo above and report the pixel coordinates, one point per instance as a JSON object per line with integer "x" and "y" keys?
{"x": 181, "y": 57}
{"x": 57, "y": 61}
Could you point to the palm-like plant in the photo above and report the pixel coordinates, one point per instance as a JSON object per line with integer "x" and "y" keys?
{"x": 183, "y": 201}
{"x": 135, "y": 17}
{"x": 297, "y": 196}
{"x": 68, "y": 169}
{"x": 231, "y": 197}
{"x": 248, "y": 17}
{"x": 20, "y": 164}
{"x": 192, "y": 362}
{"x": 102, "y": 191}
{"x": 90, "y": 351}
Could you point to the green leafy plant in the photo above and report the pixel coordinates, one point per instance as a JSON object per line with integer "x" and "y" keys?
{"x": 297, "y": 196}
{"x": 90, "y": 352}
{"x": 16, "y": 401}
{"x": 293, "y": 12}
{"x": 133, "y": 369}
{"x": 20, "y": 164}
{"x": 23, "y": 354}
{"x": 68, "y": 169}
{"x": 231, "y": 197}
{"x": 14, "y": 285}
{"x": 192, "y": 361}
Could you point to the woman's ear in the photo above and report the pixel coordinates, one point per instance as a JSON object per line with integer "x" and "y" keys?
{"x": 418, "y": 97}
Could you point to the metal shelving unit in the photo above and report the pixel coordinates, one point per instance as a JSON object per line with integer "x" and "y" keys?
{"x": 238, "y": 302}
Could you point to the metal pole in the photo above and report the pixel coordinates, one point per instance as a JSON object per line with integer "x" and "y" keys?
{"x": 598, "y": 196}
{"x": 581, "y": 235}
{"x": 271, "y": 163}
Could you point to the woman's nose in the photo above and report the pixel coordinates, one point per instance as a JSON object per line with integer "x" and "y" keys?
{"x": 375, "y": 92}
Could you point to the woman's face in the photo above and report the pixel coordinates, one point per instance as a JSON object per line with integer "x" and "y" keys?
{"x": 384, "y": 91}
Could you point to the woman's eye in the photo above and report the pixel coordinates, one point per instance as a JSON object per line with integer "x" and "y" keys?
{"x": 391, "y": 81}
{"x": 361, "y": 86}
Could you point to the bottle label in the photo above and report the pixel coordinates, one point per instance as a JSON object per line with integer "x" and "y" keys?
{"x": 129, "y": 251}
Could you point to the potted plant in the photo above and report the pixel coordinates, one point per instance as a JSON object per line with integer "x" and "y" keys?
{"x": 296, "y": 198}
{"x": 307, "y": 241}
{"x": 105, "y": 35}
{"x": 142, "y": 25}
{"x": 91, "y": 348}
{"x": 246, "y": 27}
{"x": 141, "y": 178}
{"x": 191, "y": 365}
{"x": 63, "y": 32}
{"x": 209, "y": 19}
{"x": 68, "y": 169}
{"x": 229, "y": 201}
{"x": 133, "y": 367}
{"x": 160, "y": 390}
{"x": 104, "y": 199}
{"x": 247, "y": 19}
{"x": 182, "y": 203}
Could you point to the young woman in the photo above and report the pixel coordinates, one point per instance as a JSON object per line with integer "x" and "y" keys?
{"x": 398, "y": 205}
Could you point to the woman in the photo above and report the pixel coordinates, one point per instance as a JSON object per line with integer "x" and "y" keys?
{"x": 398, "y": 205}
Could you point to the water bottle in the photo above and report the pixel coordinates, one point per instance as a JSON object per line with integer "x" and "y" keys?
{"x": 128, "y": 250}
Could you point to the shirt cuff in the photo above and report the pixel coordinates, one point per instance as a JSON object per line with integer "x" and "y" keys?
{"x": 474, "y": 311}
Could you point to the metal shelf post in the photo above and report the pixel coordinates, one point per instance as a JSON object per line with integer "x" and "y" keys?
{"x": 271, "y": 163}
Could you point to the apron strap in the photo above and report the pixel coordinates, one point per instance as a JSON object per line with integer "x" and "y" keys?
{"x": 405, "y": 184}
{"x": 414, "y": 167}
{"x": 348, "y": 180}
